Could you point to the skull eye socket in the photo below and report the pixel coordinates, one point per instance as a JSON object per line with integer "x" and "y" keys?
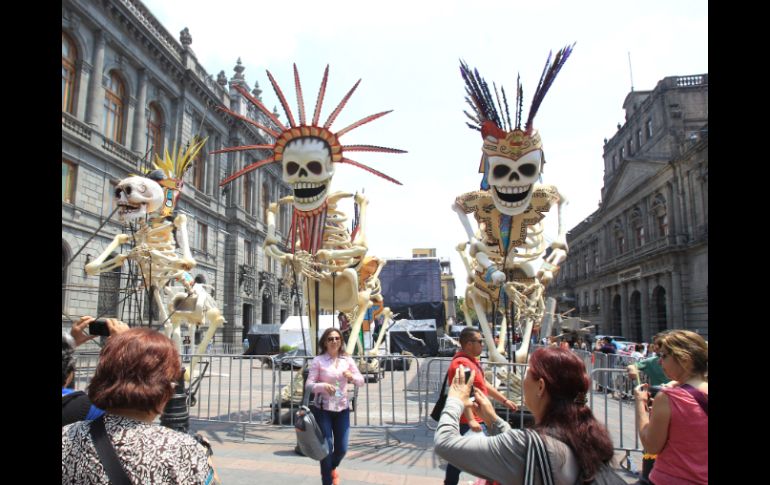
{"x": 118, "y": 191}
{"x": 528, "y": 169}
{"x": 291, "y": 168}
{"x": 501, "y": 171}
{"x": 315, "y": 167}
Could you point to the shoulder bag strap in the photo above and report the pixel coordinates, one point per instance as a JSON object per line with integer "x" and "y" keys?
{"x": 107, "y": 455}
{"x": 537, "y": 458}
{"x": 699, "y": 396}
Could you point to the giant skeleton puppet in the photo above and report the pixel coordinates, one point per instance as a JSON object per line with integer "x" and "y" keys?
{"x": 322, "y": 249}
{"x": 504, "y": 257}
{"x": 148, "y": 203}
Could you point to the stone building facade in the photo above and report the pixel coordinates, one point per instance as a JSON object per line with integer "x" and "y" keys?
{"x": 639, "y": 264}
{"x": 130, "y": 90}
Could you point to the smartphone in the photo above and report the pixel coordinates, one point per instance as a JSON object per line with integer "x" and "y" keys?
{"x": 653, "y": 390}
{"x": 468, "y": 379}
{"x": 99, "y": 327}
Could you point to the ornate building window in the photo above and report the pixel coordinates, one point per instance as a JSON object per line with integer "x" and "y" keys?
{"x": 648, "y": 127}
{"x": 660, "y": 213}
{"x": 247, "y": 254}
{"x": 622, "y": 154}
{"x": 69, "y": 57}
{"x": 68, "y": 172}
{"x": 199, "y": 170}
{"x": 201, "y": 237}
{"x": 155, "y": 131}
{"x": 620, "y": 238}
{"x": 639, "y": 139}
{"x": 114, "y": 101}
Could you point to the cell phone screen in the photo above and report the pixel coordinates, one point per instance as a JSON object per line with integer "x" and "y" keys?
{"x": 468, "y": 379}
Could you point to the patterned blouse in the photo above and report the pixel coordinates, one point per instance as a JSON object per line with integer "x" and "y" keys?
{"x": 326, "y": 370}
{"x": 150, "y": 454}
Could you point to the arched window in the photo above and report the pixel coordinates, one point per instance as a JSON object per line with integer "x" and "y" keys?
{"x": 69, "y": 57}
{"x": 155, "y": 131}
{"x": 114, "y": 96}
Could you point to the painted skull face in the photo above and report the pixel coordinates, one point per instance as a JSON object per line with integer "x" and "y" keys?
{"x": 307, "y": 167}
{"x": 136, "y": 197}
{"x": 511, "y": 181}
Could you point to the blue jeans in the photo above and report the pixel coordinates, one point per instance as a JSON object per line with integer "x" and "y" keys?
{"x": 452, "y": 475}
{"x": 335, "y": 426}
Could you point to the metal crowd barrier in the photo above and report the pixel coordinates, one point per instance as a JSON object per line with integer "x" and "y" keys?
{"x": 616, "y": 411}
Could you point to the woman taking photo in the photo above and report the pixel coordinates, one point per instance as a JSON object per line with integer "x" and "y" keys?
{"x": 330, "y": 373}
{"x": 677, "y": 426}
{"x": 133, "y": 381}
{"x": 555, "y": 387}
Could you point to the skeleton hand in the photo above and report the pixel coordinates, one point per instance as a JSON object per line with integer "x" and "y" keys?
{"x": 551, "y": 265}
{"x": 323, "y": 254}
{"x": 494, "y": 276}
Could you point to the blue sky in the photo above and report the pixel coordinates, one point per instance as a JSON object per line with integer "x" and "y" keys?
{"x": 407, "y": 55}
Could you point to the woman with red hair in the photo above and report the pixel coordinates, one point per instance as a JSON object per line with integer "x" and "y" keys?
{"x": 555, "y": 385}
{"x": 134, "y": 379}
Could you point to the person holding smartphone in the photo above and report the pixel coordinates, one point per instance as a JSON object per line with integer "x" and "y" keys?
{"x": 75, "y": 404}
{"x": 471, "y": 344}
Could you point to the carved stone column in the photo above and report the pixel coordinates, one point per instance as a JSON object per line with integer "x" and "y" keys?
{"x": 624, "y": 324}
{"x": 670, "y": 322}
{"x": 645, "y": 302}
{"x": 95, "y": 107}
{"x": 676, "y": 299}
{"x": 139, "y": 141}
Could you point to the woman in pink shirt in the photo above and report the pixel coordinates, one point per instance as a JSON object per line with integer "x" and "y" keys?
{"x": 328, "y": 377}
{"x": 677, "y": 427}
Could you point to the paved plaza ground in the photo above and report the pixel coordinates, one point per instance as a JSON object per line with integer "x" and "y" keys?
{"x": 264, "y": 455}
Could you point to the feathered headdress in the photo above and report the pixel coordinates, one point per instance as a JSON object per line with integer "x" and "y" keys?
{"x": 512, "y": 142}
{"x": 173, "y": 168}
{"x": 284, "y": 134}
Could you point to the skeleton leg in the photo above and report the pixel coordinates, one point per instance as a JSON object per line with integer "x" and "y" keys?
{"x": 364, "y": 302}
{"x": 215, "y": 320}
{"x": 387, "y": 315}
{"x": 494, "y": 354}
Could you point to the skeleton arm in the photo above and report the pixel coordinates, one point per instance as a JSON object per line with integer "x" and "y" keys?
{"x": 183, "y": 241}
{"x": 99, "y": 265}
{"x": 478, "y": 250}
{"x": 271, "y": 241}
{"x": 558, "y": 246}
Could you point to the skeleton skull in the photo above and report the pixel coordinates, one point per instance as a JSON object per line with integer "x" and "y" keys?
{"x": 307, "y": 167}
{"x": 136, "y": 197}
{"x": 511, "y": 181}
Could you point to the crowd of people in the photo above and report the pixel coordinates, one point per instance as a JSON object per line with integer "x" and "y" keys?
{"x": 110, "y": 430}
{"x": 109, "y": 435}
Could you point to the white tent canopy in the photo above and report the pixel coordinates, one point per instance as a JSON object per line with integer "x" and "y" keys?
{"x": 291, "y": 335}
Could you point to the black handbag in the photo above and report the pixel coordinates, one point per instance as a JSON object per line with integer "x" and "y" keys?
{"x": 310, "y": 438}
{"x": 440, "y": 402}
